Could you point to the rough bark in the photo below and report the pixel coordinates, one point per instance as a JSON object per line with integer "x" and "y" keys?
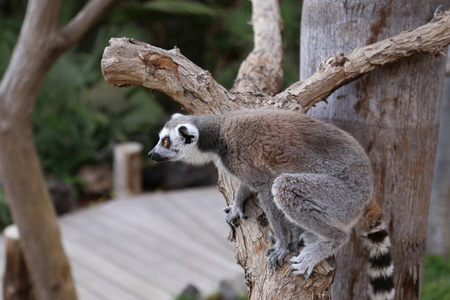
{"x": 126, "y": 62}
{"x": 394, "y": 113}
{"x": 40, "y": 43}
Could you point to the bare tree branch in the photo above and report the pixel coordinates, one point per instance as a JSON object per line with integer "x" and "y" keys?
{"x": 41, "y": 16}
{"x": 261, "y": 71}
{"x": 129, "y": 62}
{"x": 84, "y": 20}
{"x": 340, "y": 70}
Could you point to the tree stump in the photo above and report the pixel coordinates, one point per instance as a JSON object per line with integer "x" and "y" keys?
{"x": 16, "y": 282}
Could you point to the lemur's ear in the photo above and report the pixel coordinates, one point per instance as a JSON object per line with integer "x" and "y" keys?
{"x": 176, "y": 116}
{"x": 189, "y": 137}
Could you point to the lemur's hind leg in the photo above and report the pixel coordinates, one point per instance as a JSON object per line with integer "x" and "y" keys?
{"x": 280, "y": 227}
{"x": 320, "y": 204}
{"x": 296, "y": 237}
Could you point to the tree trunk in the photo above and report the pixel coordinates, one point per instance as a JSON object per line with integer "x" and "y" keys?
{"x": 32, "y": 210}
{"x": 394, "y": 113}
{"x": 40, "y": 43}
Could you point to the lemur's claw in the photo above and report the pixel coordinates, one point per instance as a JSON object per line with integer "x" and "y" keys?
{"x": 276, "y": 253}
{"x": 273, "y": 239}
{"x": 303, "y": 264}
{"x": 232, "y": 216}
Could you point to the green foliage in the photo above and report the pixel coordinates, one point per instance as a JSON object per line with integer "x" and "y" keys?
{"x": 237, "y": 26}
{"x": 436, "y": 285}
{"x": 78, "y": 122}
{"x": 165, "y": 8}
{"x": 9, "y": 32}
{"x": 78, "y": 117}
{"x": 5, "y": 216}
{"x": 291, "y": 12}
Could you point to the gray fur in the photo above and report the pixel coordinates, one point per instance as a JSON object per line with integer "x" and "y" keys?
{"x": 308, "y": 175}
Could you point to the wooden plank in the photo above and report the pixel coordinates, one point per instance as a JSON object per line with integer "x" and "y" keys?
{"x": 157, "y": 238}
{"x": 163, "y": 229}
{"x": 124, "y": 259}
{"x": 140, "y": 246}
{"x": 121, "y": 277}
{"x": 83, "y": 294}
{"x": 189, "y": 220}
{"x": 211, "y": 218}
{"x": 97, "y": 285}
{"x": 187, "y": 225}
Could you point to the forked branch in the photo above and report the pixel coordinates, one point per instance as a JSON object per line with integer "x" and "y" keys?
{"x": 127, "y": 62}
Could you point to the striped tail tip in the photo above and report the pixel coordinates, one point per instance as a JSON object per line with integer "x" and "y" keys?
{"x": 380, "y": 267}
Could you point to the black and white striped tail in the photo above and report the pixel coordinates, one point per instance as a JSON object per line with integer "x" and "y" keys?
{"x": 380, "y": 267}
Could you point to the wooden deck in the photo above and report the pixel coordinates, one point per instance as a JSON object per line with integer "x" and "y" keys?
{"x": 149, "y": 247}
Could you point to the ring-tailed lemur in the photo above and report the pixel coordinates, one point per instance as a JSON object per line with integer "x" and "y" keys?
{"x": 310, "y": 176}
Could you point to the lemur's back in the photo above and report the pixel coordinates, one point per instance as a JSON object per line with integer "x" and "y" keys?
{"x": 291, "y": 142}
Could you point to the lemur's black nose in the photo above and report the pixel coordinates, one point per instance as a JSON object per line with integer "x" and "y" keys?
{"x": 156, "y": 156}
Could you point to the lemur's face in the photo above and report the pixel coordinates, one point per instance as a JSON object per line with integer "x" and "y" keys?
{"x": 176, "y": 140}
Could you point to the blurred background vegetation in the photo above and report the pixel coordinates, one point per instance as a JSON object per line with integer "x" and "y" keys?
{"x": 79, "y": 118}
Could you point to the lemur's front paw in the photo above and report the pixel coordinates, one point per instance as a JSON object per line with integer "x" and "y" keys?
{"x": 233, "y": 214}
{"x": 277, "y": 252}
{"x": 303, "y": 264}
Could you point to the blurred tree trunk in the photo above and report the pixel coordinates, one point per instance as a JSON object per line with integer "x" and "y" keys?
{"x": 439, "y": 217}
{"x": 394, "y": 113}
{"x": 40, "y": 43}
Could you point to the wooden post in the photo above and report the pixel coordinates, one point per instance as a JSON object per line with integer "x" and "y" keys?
{"x": 16, "y": 282}
{"x": 127, "y": 169}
